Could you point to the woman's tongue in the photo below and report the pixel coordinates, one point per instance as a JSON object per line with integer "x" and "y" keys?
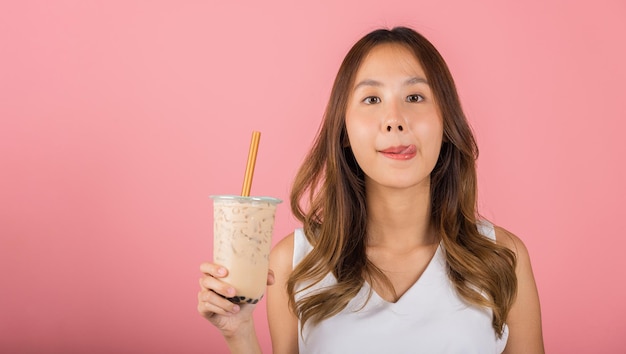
{"x": 401, "y": 150}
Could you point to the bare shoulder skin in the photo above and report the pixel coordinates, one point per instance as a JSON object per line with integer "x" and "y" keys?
{"x": 283, "y": 322}
{"x": 524, "y": 319}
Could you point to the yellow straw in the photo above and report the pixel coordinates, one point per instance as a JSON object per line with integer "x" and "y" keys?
{"x": 247, "y": 180}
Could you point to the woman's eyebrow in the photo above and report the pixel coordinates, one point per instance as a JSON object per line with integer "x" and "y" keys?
{"x": 368, "y": 82}
{"x": 416, "y": 80}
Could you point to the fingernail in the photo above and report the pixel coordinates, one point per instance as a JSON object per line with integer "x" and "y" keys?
{"x": 235, "y": 309}
{"x": 231, "y": 291}
{"x": 221, "y": 271}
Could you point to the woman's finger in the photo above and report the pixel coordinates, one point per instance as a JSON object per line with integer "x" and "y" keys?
{"x": 210, "y": 302}
{"x": 270, "y": 277}
{"x": 208, "y": 309}
{"x": 213, "y": 270}
{"x": 216, "y": 285}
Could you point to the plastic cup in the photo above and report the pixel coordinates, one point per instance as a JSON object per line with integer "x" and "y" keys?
{"x": 242, "y": 240}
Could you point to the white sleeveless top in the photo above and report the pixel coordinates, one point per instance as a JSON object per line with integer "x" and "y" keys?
{"x": 429, "y": 318}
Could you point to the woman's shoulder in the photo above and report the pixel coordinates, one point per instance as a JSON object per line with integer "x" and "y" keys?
{"x": 509, "y": 240}
{"x": 282, "y": 253}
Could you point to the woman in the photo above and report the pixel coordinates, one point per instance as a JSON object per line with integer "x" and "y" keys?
{"x": 392, "y": 256}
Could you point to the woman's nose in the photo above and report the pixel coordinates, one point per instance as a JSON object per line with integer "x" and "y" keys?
{"x": 391, "y": 127}
{"x": 394, "y": 118}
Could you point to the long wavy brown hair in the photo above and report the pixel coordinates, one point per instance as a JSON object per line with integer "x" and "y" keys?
{"x": 328, "y": 197}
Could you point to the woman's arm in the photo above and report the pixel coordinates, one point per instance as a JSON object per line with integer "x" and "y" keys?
{"x": 524, "y": 319}
{"x": 283, "y": 322}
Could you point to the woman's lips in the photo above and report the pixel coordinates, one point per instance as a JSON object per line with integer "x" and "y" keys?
{"x": 400, "y": 152}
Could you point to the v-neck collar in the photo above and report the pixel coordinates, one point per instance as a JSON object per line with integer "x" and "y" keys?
{"x": 431, "y": 274}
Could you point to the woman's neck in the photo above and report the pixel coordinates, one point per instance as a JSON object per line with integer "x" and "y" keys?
{"x": 399, "y": 218}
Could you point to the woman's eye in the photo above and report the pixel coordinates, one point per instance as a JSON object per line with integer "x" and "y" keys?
{"x": 371, "y": 100}
{"x": 414, "y": 98}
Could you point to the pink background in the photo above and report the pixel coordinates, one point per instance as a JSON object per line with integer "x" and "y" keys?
{"x": 120, "y": 118}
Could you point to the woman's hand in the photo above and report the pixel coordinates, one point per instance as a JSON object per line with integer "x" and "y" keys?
{"x": 231, "y": 319}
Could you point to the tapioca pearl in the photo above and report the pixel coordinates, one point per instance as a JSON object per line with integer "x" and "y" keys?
{"x": 234, "y": 299}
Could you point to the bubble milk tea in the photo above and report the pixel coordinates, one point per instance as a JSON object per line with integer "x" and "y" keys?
{"x": 242, "y": 240}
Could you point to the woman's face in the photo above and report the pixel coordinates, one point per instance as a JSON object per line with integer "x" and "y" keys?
{"x": 393, "y": 123}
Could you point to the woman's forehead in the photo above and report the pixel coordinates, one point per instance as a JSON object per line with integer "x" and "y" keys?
{"x": 389, "y": 59}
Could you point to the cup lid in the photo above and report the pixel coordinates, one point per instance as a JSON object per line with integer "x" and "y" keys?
{"x": 260, "y": 199}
